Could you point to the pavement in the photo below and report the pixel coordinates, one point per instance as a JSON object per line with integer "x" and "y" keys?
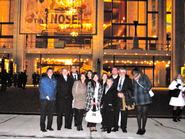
{"x": 19, "y": 119}
{"x": 27, "y": 127}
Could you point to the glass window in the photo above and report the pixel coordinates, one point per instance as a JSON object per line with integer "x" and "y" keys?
{"x": 5, "y": 10}
{"x": 153, "y": 25}
{"x": 153, "y": 5}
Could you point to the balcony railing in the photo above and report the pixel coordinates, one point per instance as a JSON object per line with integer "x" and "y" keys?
{"x": 142, "y": 46}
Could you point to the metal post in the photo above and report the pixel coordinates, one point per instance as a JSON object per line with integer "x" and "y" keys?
{"x": 153, "y": 69}
{"x": 40, "y": 63}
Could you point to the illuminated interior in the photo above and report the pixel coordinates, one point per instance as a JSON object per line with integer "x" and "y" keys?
{"x": 64, "y": 21}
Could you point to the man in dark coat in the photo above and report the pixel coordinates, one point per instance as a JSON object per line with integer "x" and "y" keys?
{"x": 115, "y": 77}
{"x": 125, "y": 90}
{"x": 74, "y": 76}
{"x": 64, "y": 100}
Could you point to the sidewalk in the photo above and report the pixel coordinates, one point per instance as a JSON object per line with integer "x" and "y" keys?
{"x": 27, "y": 127}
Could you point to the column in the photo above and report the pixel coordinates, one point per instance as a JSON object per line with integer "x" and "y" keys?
{"x": 97, "y": 50}
{"x": 177, "y": 36}
{"x": 18, "y": 40}
{"x": 162, "y": 24}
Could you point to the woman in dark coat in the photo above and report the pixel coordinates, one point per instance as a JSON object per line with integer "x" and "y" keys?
{"x": 108, "y": 104}
{"x": 142, "y": 85}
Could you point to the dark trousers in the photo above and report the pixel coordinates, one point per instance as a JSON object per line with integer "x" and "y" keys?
{"x": 124, "y": 115}
{"x": 107, "y": 118}
{"x": 46, "y": 109}
{"x": 78, "y": 117}
{"x": 116, "y": 118}
{"x": 64, "y": 109}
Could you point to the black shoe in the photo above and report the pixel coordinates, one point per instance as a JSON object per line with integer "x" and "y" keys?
{"x": 139, "y": 132}
{"x": 81, "y": 128}
{"x": 115, "y": 129}
{"x": 175, "y": 120}
{"x": 58, "y": 128}
{"x": 108, "y": 130}
{"x": 68, "y": 127}
{"x": 124, "y": 130}
{"x": 178, "y": 119}
{"x": 78, "y": 128}
{"x": 43, "y": 130}
{"x": 50, "y": 129}
{"x": 143, "y": 132}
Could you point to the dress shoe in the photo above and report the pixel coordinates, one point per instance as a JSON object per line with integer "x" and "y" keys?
{"x": 143, "y": 132}
{"x": 58, "y": 128}
{"x": 81, "y": 128}
{"x": 68, "y": 127}
{"x": 78, "y": 128}
{"x": 115, "y": 129}
{"x": 124, "y": 130}
{"x": 94, "y": 130}
{"x": 43, "y": 130}
{"x": 50, "y": 129}
{"x": 175, "y": 120}
{"x": 108, "y": 130}
{"x": 139, "y": 132}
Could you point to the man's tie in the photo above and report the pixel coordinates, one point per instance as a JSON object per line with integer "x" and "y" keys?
{"x": 119, "y": 86}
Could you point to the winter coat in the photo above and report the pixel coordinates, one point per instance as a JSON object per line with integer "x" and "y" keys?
{"x": 141, "y": 94}
{"x": 90, "y": 95}
{"x": 79, "y": 92}
{"x": 47, "y": 87}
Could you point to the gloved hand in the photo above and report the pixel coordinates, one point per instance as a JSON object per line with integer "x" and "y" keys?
{"x": 47, "y": 97}
{"x": 178, "y": 85}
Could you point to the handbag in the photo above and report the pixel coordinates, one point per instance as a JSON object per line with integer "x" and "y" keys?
{"x": 93, "y": 115}
{"x": 125, "y": 106}
{"x": 151, "y": 93}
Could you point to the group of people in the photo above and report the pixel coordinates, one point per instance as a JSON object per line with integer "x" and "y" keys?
{"x": 18, "y": 79}
{"x": 75, "y": 94}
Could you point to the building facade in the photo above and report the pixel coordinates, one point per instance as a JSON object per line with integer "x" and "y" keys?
{"x": 95, "y": 34}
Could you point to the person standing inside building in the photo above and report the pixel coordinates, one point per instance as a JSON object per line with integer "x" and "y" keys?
{"x": 125, "y": 93}
{"x": 108, "y": 104}
{"x": 178, "y": 101}
{"x": 47, "y": 89}
{"x": 94, "y": 95}
{"x": 64, "y": 100}
{"x": 34, "y": 79}
{"x": 115, "y": 77}
{"x": 24, "y": 79}
{"x": 142, "y": 99}
{"x": 79, "y": 98}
